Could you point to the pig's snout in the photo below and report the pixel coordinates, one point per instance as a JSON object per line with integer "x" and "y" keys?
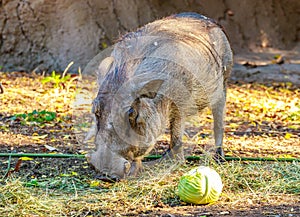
{"x": 110, "y": 166}
{"x": 114, "y": 177}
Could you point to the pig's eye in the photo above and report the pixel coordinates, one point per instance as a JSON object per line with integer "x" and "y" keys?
{"x": 132, "y": 116}
{"x": 136, "y": 121}
{"x": 130, "y": 111}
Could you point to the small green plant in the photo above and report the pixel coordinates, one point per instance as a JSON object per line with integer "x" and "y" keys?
{"x": 56, "y": 79}
{"x": 35, "y": 116}
{"x": 61, "y": 81}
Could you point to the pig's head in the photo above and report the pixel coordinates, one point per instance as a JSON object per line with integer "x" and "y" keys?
{"x": 109, "y": 164}
{"x": 128, "y": 121}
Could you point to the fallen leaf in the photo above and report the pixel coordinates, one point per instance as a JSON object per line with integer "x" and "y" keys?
{"x": 37, "y": 137}
{"x": 288, "y": 136}
{"x": 94, "y": 183}
{"x": 50, "y": 148}
{"x": 26, "y": 158}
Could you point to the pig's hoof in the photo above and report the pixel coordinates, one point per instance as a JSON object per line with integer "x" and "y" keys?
{"x": 168, "y": 155}
{"x": 107, "y": 179}
{"x": 173, "y": 154}
{"x": 136, "y": 168}
{"x": 219, "y": 156}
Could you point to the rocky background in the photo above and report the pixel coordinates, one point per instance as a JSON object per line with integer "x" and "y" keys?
{"x": 45, "y": 35}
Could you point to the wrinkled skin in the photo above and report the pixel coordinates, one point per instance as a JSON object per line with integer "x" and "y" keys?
{"x": 154, "y": 78}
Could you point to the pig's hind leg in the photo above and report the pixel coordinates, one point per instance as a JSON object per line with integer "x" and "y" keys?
{"x": 218, "y": 116}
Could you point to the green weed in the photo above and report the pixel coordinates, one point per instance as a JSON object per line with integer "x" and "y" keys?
{"x": 56, "y": 79}
{"x": 35, "y": 116}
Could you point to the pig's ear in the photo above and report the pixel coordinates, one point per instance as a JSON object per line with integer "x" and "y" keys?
{"x": 150, "y": 89}
{"x": 105, "y": 66}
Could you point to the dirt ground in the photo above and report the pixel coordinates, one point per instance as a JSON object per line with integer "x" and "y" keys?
{"x": 250, "y": 131}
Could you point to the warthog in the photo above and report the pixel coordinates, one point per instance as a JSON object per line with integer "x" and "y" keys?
{"x": 155, "y": 77}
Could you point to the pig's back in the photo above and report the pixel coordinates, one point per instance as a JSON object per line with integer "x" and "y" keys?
{"x": 187, "y": 47}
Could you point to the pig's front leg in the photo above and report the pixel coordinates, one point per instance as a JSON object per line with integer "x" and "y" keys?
{"x": 176, "y": 131}
{"x": 136, "y": 167}
{"x": 218, "y": 115}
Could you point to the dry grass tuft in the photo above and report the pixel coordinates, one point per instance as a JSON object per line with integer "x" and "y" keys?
{"x": 17, "y": 200}
{"x": 261, "y": 122}
{"x": 244, "y": 185}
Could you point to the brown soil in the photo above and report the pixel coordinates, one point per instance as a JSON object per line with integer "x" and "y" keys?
{"x": 270, "y": 134}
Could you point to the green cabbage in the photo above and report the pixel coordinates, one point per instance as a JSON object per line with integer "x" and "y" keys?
{"x": 201, "y": 185}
